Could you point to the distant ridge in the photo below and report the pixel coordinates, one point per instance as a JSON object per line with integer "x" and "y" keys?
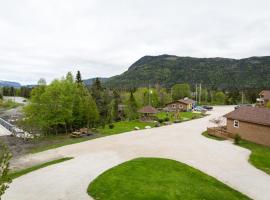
{"x": 9, "y": 84}
{"x": 90, "y": 81}
{"x": 220, "y": 73}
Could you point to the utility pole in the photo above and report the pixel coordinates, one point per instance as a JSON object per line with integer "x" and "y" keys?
{"x": 196, "y": 95}
{"x": 242, "y": 97}
{"x": 149, "y": 102}
{"x": 200, "y": 93}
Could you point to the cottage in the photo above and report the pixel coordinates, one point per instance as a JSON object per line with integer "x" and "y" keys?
{"x": 264, "y": 98}
{"x": 185, "y": 104}
{"x": 251, "y": 123}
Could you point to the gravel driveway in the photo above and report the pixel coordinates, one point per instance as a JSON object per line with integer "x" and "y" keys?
{"x": 182, "y": 142}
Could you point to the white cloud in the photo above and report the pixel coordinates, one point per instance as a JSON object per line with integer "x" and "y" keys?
{"x": 41, "y": 38}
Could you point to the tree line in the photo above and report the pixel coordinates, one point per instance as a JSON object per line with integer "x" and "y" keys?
{"x": 68, "y": 104}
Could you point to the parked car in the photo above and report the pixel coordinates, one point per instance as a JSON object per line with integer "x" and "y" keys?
{"x": 208, "y": 107}
{"x": 238, "y": 106}
{"x": 200, "y": 109}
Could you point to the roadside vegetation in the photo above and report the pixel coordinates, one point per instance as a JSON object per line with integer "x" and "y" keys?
{"x": 155, "y": 178}
{"x": 16, "y": 174}
{"x": 8, "y": 104}
{"x": 5, "y": 156}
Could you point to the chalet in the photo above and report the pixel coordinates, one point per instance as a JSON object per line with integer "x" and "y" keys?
{"x": 185, "y": 104}
{"x": 264, "y": 98}
{"x": 251, "y": 123}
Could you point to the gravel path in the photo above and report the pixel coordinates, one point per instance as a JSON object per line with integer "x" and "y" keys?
{"x": 182, "y": 142}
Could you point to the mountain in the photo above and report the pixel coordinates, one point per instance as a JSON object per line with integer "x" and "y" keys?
{"x": 9, "y": 84}
{"x": 90, "y": 81}
{"x": 222, "y": 73}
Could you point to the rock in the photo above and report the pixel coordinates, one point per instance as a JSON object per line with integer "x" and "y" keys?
{"x": 167, "y": 123}
{"x": 136, "y": 128}
{"x": 158, "y": 125}
{"x": 147, "y": 127}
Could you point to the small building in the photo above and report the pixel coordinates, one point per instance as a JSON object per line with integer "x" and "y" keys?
{"x": 185, "y": 104}
{"x": 251, "y": 123}
{"x": 148, "y": 113}
{"x": 264, "y": 98}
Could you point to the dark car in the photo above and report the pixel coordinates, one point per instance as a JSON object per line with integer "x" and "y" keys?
{"x": 208, "y": 107}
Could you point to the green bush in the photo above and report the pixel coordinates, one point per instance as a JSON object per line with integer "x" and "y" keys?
{"x": 111, "y": 126}
{"x": 160, "y": 120}
{"x": 166, "y": 119}
{"x": 237, "y": 139}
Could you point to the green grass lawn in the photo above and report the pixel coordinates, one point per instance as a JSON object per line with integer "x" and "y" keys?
{"x": 55, "y": 141}
{"x": 124, "y": 126}
{"x": 183, "y": 115}
{"x": 205, "y": 133}
{"x": 22, "y": 172}
{"x": 260, "y": 156}
{"x": 159, "y": 179}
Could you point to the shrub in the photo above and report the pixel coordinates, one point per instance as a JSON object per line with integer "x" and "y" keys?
{"x": 167, "y": 119}
{"x": 111, "y": 126}
{"x": 5, "y": 156}
{"x": 160, "y": 120}
{"x": 237, "y": 139}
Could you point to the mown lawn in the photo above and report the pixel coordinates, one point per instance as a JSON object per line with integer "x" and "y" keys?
{"x": 260, "y": 156}
{"x": 159, "y": 179}
{"x": 55, "y": 141}
{"x": 183, "y": 116}
{"x": 22, "y": 172}
{"x": 124, "y": 126}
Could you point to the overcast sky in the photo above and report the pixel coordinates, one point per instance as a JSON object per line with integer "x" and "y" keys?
{"x": 48, "y": 38}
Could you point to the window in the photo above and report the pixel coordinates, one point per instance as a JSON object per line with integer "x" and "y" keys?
{"x": 236, "y": 124}
{"x": 173, "y": 105}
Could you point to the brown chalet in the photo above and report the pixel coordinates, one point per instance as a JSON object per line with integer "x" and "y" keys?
{"x": 264, "y": 98}
{"x": 251, "y": 123}
{"x": 185, "y": 104}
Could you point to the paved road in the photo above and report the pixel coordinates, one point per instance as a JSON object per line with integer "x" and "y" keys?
{"x": 182, "y": 142}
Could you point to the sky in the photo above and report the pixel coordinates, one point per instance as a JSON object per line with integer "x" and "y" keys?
{"x": 102, "y": 38}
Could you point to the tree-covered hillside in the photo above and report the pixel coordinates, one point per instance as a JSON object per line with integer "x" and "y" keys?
{"x": 222, "y": 73}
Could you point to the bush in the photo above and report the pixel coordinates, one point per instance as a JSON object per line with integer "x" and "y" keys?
{"x": 5, "y": 156}
{"x": 111, "y": 126}
{"x": 167, "y": 119}
{"x": 237, "y": 139}
{"x": 161, "y": 120}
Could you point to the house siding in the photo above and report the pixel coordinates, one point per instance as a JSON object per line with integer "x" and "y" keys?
{"x": 253, "y": 132}
{"x": 176, "y": 106}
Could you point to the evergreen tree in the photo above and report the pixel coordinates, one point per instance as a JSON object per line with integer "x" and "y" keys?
{"x": 116, "y": 102}
{"x": 132, "y": 107}
{"x": 78, "y": 77}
